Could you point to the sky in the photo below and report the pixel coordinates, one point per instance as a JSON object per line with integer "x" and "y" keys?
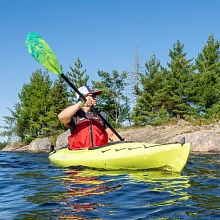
{"x": 102, "y": 33}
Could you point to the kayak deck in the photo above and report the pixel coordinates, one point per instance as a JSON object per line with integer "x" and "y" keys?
{"x": 126, "y": 155}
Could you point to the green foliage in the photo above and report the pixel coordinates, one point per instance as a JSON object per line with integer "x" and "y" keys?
{"x": 9, "y": 127}
{"x": 164, "y": 121}
{"x": 112, "y": 99}
{"x": 3, "y": 145}
{"x": 36, "y": 114}
{"x": 28, "y": 139}
{"x": 76, "y": 77}
{"x": 179, "y": 81}
{"x": 206, "y": 91}
{"x": 163, "y": 95}
{"x": 150, "y": 104}
{"x": 34, "y": 105}
{"x": 200, "y": 122}
{"x": 59, "y": 100}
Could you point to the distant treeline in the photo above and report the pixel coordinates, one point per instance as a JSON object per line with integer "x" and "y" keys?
{"x": 186, "y": 89}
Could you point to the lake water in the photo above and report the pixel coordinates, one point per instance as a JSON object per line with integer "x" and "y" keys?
{"x": 33, "y": 188}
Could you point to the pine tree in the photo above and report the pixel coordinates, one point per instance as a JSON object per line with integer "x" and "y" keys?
{"x": 207, "y": 80}
{"x": 76, "y": 76}
{"x": 9, "y": 129}
{"x": 149, "y": 102}
{"x": 36, "y": 114}
{"x": 33, "y": 107}
{"x": 178, "y": 81}
{"x": 112, "y": 99}
{"x": 59, "y": 100}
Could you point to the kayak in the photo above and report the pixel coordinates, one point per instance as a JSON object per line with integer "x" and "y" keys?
{"x": 126, "y": 156}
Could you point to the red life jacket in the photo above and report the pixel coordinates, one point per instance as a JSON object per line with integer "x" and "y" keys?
{"x": 88, "y": 132}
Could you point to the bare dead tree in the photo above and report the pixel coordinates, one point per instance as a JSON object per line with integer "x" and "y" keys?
{"x": 133, "y": 76}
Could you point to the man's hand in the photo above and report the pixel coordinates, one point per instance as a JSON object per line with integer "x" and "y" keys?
{"x": 90, "y": 101}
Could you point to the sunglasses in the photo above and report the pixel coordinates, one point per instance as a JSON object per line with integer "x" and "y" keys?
{"x": 93, "y": 95}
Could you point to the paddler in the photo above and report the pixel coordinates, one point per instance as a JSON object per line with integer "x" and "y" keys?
{"x": 87, "y": 129}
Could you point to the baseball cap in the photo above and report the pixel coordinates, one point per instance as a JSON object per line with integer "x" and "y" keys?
{"x": 88, "y": 90}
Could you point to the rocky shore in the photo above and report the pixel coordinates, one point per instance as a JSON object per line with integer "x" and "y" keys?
{"x": 205, "y": 138}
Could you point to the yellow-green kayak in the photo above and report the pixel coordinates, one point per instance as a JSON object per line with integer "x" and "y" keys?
{"x": 126, "y": 155}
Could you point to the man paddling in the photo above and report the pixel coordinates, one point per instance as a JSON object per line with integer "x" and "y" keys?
{"x": 87, "y": 128}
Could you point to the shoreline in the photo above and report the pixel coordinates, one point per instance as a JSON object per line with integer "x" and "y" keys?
{"x": 203, "y": 139}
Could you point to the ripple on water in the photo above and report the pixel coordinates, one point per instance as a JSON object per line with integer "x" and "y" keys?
{"x": 32, "y": 188}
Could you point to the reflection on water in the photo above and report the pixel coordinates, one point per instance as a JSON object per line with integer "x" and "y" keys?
{"x": 87, "y": 183}
{"x": 32, "y": 188}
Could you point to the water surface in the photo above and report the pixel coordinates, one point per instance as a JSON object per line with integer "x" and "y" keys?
{"x": 33, "y": 188}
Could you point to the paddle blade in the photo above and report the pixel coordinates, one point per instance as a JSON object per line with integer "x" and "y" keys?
{"x": 42, "y": 53}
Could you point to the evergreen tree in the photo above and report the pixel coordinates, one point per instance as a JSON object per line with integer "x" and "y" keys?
{"x": 59, "y": 100}
{"x": 149, "y": 103}
{"x": 9, "y": 127}
{"x": 36, "y": 113}
{"x": 207, "y": 80}
{"x": 33, "y": 107}
{"x": 178, "y": 81}
{"x": 3, "y": 145}
{"x": 112, "y": 99}
{"x": 76, "y": 76}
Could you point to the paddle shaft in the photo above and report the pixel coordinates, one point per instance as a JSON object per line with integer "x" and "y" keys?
{"x": 93, "y": 108}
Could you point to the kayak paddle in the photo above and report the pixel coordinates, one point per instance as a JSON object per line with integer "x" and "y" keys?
{"x": 42, "y": 53}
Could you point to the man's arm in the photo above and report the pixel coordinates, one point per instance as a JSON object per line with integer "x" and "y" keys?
{"x": 67, "y": 113}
